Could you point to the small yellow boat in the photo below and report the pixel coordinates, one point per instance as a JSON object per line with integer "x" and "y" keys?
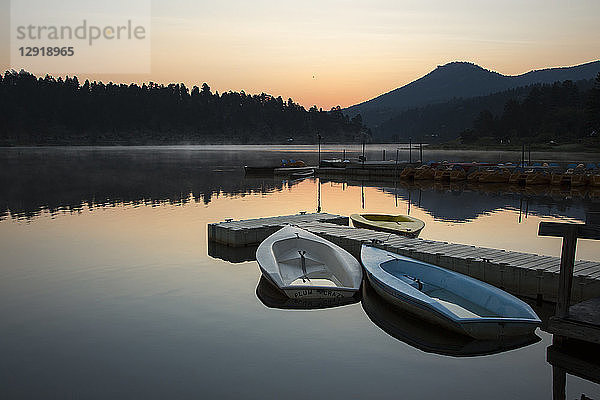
{"x": 398, "y": 224}
{"x": 495, "y": 175}
{"x": 424, "y": 172}
{"x": 407, "y": 173}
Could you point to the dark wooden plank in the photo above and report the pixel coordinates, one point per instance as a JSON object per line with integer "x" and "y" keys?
{"x": 485, "y": 252}
{"x": 573, "y": 329}
{"x": 548, "y": 266}
{"x": 517, "y": 258}
{"x": 583, "y": 265}
{"x": 587, "y": 312}
{"x": 582, "y": 231}
{"x": 541, "y": 260}
{"x": 593, "y": 274}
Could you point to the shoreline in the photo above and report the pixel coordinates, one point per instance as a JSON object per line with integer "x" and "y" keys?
{"x": 326, "y": 147}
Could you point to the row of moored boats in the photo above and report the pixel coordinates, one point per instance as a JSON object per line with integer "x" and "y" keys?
{"x": 305, "y": 267}
{"x": 537, "y": 174}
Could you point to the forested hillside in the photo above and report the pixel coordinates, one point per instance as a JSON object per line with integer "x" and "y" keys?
{"x": 565, "y": 104}
{"x": 57, "y": 111}
{"x": 559, "y": 113}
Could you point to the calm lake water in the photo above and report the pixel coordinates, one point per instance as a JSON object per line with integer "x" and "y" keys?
{"x": 107, "y": 288}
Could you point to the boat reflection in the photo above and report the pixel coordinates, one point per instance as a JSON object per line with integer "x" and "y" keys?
{"x": 271, "y": 297}
{"x": 105, "y": 178}
{"x": 430, "y": 338}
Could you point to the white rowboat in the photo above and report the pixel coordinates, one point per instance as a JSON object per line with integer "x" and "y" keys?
{"x": 304, "y": 265}
{"x": 452, "y": 300}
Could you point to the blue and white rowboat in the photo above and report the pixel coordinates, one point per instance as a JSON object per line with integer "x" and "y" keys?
{"x": 452, "y": 300}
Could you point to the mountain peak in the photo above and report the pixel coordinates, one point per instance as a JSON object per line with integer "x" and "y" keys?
{"x": 460, "y": 79}
{"x": 459, "y": 65}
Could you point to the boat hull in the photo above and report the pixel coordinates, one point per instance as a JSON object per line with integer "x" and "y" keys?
{"x": 312, "y": 292}
{"x": 484, "y": 330}
{"x": 423, "y": 335}
{"x": 305, "y": 266}
{"x": 271, "y": 296}
{"x": 412, "y": 227}
{"x": 518, "y": 319}
{"x": 293, "y": 170}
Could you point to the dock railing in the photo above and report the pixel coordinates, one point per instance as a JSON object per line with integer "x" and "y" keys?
{"x": 569, "y": 233}
{"x": 580, "y": 322}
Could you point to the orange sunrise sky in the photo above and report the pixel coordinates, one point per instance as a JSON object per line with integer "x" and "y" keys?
{"x": 339, "y": 52}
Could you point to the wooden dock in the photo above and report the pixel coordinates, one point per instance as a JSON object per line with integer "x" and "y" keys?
{"x": 524, "y": 274}
{"x": 253, "y": 231}
{"x": 582, "y": 320}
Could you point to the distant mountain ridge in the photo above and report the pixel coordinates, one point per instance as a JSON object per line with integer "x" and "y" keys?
{"x": 459, "y": 80}
{"x": 446, "y": 120}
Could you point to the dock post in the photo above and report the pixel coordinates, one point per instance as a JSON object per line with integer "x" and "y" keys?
{"x": 410, "y": 150}
{"x": 569, "y": 233}
{"x": 559, "y": 383}
{"x": 421, "y": 152}
{"x": 396, "y": 178}
{"x": 565, "y": 280}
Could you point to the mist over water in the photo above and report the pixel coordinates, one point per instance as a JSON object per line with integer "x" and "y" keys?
{"x": 107, "y": 288}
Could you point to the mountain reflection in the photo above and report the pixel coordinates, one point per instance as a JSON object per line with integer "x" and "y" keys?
{"x": 66, "y": 180}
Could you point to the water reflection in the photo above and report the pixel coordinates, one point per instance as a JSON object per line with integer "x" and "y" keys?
{"x": 430, "y": 338}
{"x": 574, "y": 358}
{"x": 61, "y": 180}
{"x": 273, "y": 298}
{"x": 231, "y": 254}
{"x": 130, "y": 295}
{"x": 464, "y": 202}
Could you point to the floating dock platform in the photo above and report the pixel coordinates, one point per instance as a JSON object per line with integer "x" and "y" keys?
{"x": 251, "y": 232}
{"x": 524, "y": 274}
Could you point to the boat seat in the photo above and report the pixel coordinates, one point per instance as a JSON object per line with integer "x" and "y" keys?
{"x": 414, "y": 282}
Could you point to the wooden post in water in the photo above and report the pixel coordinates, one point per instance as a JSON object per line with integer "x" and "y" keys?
{"x": 396, "y": 168}
{"x": 421, "y": 152}
{"x": 383, "y": 155}
{"x": 344, "y": 155}
{"x": 529, "y": 152}
{"x": 410, "y": 150}
{"x": 362, "y": 194}
{"x": 523, "y": 155}
{"x": 569, "y": 233}
{"x": 318, "y": 195}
